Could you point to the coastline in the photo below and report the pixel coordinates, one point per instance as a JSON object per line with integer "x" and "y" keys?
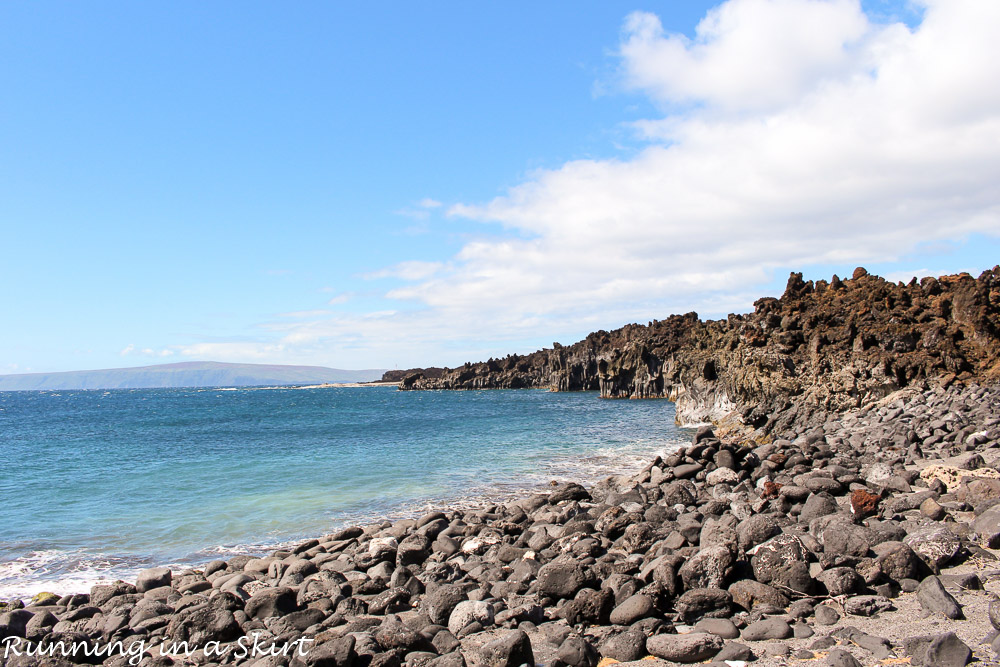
{"x": 583, "y": 441}
{"x": 723, "y": 547}
{"x": 334, "y": 385}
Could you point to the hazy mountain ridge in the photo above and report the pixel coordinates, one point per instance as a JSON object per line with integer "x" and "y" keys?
{"x": 186, "y": 374}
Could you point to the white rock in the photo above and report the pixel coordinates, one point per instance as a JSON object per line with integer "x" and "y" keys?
{"x": 467, "y": 612}
{"x": 722, "y": 476}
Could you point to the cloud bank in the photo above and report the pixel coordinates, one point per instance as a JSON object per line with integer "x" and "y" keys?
{"x": 792, "y": 133}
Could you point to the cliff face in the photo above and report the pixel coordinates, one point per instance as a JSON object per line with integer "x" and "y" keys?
{"x": 820, "y": 348}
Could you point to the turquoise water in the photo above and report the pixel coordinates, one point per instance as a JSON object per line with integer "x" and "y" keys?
{"x": 99, "y": 484}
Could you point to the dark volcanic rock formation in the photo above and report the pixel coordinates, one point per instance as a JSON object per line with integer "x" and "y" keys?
{"x": 822, "y": 347}
{"x": 432, "y": 373}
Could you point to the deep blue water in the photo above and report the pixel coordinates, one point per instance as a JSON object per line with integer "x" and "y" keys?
{"x": 99, "y": 484}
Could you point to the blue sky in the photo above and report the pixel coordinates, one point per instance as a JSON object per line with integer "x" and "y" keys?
{"x": 398, "y": 185}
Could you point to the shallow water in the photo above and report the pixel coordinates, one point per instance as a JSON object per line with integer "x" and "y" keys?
{"x": 96, "y": 485}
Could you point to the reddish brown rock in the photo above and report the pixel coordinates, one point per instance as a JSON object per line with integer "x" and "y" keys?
{"x": 864, "y": 504}
{"x": 770, "y": 490}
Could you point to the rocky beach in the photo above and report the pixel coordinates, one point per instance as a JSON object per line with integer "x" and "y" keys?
{"x": 843, "y": 508}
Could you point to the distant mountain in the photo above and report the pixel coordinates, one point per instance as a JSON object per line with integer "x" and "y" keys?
{"x": 186, "y": 374}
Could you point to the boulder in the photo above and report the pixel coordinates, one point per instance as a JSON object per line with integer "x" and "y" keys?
{"x": 562, "y": 579}
{"x": 269, "y": 602}
{"x": 769, "y": 628}
{"x": 154, "y": 577}
{"x": 511, "y": 650}
{"x": 704, "y": 602}
{"x": 708, "y": 568}
{"x": 689, "y": 648}
{"x": 775, "y": 553}
{"x": 468, "y": 612}
{"x": 935, "y": 599}
{"x": 625, "y": 647}
{"x": 936, "y": 545}
{"x": 634, "y": 608}
{"x": 441, "y": 601}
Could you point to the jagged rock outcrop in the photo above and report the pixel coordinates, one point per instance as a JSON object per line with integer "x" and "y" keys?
{"x": 822, "y": 347}
{"x": 431, "y": 372}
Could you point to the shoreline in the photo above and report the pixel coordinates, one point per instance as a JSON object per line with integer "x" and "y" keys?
{"x": 724, "y": 547}
{"x": 597, "y": 462}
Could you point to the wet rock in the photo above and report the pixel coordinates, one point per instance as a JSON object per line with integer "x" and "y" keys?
{"x": 569, "y": 491}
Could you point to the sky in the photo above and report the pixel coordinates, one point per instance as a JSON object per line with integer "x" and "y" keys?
{"x": 392, "y": 185}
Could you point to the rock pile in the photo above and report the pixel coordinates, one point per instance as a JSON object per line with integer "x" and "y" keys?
{"x": 724, "y": 550}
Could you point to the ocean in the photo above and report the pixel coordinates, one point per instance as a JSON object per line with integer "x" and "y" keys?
{"x": 97, "y": 485}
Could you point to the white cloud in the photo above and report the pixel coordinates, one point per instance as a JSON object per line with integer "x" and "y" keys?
{"x": 131, "y": 349}
{"x": 747, "y": 54}
{"x": 343, "y": 297}
{"x": 420, "y": 211}
{"x": 233, "y": 351}
{"x": 795, "y": 133}
{"x": 870, "y": 140}
{"x": 409, "y": 270}
{"x": 305, "y": 314}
